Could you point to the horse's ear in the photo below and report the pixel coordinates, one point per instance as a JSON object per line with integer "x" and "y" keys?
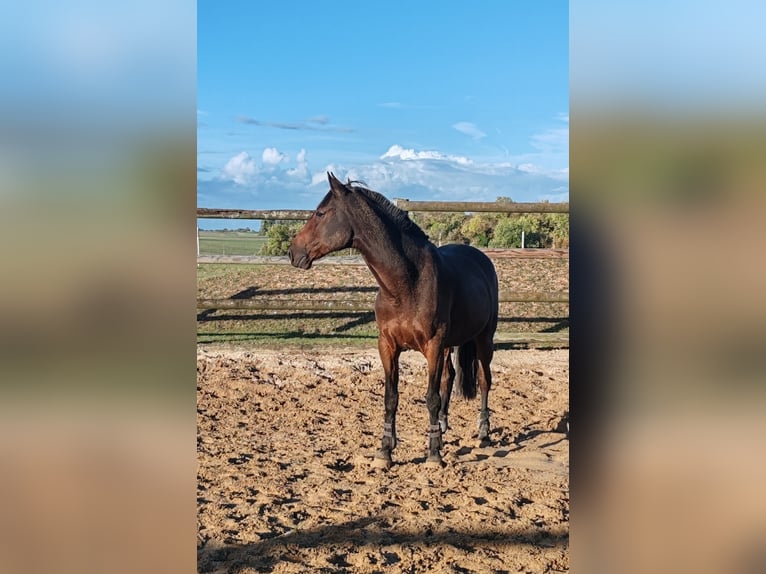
{"x": 335, "y": 184}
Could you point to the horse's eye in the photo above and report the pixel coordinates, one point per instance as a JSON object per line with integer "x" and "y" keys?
{"x": 319, "y": 213}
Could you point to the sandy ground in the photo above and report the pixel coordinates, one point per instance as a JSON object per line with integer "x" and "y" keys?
{"x": 285, "y": 481}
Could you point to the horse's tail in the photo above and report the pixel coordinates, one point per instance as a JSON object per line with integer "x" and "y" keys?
{"x": 466, "y": 369}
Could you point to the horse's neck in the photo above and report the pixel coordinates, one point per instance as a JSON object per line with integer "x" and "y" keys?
{"x": 395, "y": 262}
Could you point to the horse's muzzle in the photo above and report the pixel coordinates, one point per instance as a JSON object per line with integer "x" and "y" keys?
{"x": 299, "y": 258}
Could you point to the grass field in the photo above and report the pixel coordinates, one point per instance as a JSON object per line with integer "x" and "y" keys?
{"x": 230, "y": 243}
{"x": 351, "y": 328}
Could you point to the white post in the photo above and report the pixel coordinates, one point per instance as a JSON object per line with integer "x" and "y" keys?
{"x": 522, "y": 240}
{"x": 198, "y": 241}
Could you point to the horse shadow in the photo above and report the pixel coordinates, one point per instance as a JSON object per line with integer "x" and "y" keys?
{"x": 254, "y": 291}
{"x": 355, "y": 318}
{"x": 504, "y": 446}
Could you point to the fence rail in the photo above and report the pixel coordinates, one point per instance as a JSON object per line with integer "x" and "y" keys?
{"x": 514, "y": 253}
{"x": 261, "y": 214}
{"x": 358, "y": 304}
{"x": 483, "y": 206}
{"x": 558, "y": 339}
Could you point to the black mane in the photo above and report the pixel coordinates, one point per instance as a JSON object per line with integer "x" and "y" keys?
{"x": 400, "y": 217}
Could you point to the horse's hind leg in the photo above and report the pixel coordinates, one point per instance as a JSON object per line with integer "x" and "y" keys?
{"x": 448, "y": 378}
{"x": 484, "y": 351}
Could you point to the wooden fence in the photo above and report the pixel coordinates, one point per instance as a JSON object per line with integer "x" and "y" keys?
{"x": 483, "y": 206}
{"x": 510, "y": 253}
{"x": 259, "y": 214}
{"x": 559, "y": 339}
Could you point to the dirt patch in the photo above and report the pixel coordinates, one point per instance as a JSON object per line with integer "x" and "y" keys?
{"x": 285, "y": 481}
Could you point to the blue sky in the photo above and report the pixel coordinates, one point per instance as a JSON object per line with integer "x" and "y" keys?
{"x": 421, "y": 100}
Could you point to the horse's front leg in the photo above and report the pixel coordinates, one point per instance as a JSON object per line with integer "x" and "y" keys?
{"x": 435, "y": 357}
{"x": 389, "y": 356}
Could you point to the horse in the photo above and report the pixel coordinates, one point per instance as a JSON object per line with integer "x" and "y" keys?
{"x": 435, "y": 300}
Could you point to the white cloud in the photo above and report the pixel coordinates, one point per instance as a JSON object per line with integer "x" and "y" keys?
{"x": 301, "y": 170}
{"x": 240, "y": 168}
{"x": 534, "y": 169}
{"x": 406, "y": 154}
{"x": 240, "y": 183}
{"x": 434, "y": 175}
{"x": 319, "y": 177}
{"x": 469, "y": 129}
{"x": 551, "y": 141}
{"x": 399, "y": 172}
{"x": 273, "y": 157}
{"x": 549, "y": 151}
{"x": 529, "y": 168}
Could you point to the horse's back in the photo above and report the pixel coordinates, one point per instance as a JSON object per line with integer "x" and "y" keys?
{"x": 470, "y": 267}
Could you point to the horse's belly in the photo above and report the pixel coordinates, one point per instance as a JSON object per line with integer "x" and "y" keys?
{"x": 467, "y": 324}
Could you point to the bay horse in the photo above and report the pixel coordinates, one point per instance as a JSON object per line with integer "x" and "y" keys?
{"x": 430, "y": 300}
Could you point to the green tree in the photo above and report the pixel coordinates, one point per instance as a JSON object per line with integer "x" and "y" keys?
{"x": 441, "y": 228}
{"x": 264, "y": 228}
{"x": 507, "y": 232}
{"x": 280, "y": 235}
{"x": 536, "y": 231}
{"x": 478, "y": 228}
{"x": 560, "y": 229}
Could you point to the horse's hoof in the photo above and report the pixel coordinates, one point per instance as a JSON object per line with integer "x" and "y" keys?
{"x": 382, "y": 459}
{"x": 434, "y": 461}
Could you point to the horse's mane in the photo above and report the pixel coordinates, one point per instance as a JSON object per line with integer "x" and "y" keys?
{"x": 400, "y": 217}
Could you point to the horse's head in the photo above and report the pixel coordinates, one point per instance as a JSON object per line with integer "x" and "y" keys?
{"x": 328, "y": 229}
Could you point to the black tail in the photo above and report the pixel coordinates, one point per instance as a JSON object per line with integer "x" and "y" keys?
{"x": 466, "y": 369}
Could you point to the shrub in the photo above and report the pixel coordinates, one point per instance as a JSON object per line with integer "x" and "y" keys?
{"x": 280, "y": 235}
